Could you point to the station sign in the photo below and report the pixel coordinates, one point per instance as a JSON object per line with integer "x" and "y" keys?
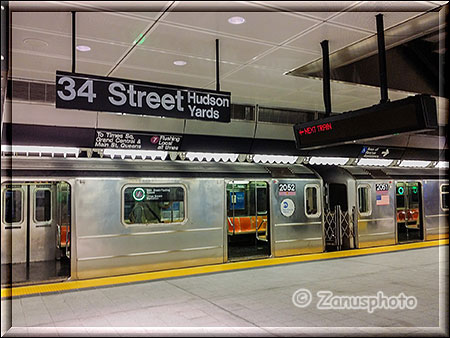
{"x": 108, "y": 139}
{"x": 375, "y": 152}
{"x": 97, "y": 93}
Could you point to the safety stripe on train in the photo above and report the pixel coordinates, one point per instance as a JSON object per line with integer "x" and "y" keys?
{"x": 148, "y": 276}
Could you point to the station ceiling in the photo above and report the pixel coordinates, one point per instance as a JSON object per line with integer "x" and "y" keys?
{"x": 142, "y": 40}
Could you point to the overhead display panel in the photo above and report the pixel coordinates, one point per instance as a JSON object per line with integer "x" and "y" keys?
{"x": 97, "y": 93}
{"x": 412, "y": 114}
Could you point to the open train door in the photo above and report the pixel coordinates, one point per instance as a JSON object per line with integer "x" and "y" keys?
{"x": 32, "y": 213}
{"x": 248, "y": 231}
{"x": 409, "y": 211}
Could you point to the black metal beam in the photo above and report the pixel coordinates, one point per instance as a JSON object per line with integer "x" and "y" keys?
{"x": 217, "y": 66}
{"x": 382, "y": 59}
{"x": 326, "y": 77}
{"x": 73, "y": 42}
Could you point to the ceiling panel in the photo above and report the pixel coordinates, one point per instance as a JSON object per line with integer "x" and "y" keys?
{"x": 321, "y": 10}
{"x": 395, "y": 6}
{"x": 302, "y": 96}
{"x": 144, "y": 15}
{"x": 61, "y": 46}
{"x": 93, "y": 68}
{"x": 109, "y": 53}
{"x": 46, "y": 64}
{"x": 200, "y": 44}
{"x": 110, "y": 27}
{"x": 160, "y": 77}
{"x": 256, "y": 91}
{"x": 58, "y": 22}
{"x": 214, "y": 6}
{"x": 286, "y": 59}
{"x": 356, "y": 90}
{"x": 270, "y": 78}
{"x": 163, "y": 61}
{"x": 151, "y": 6}
{"x": 338, "y": 37}
{"x": 273, "y": 27}
{"x": 31, "y": 41}
{"x": 367, "y": 20}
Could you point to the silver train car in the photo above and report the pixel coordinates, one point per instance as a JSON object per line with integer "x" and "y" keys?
{"x": 80, "y": 218}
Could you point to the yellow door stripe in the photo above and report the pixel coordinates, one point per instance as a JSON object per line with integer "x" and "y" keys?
{"x": 104, "y": 281}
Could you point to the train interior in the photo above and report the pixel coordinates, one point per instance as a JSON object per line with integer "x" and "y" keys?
{"x": 248, "y": 220}
{"x": 409, "y": 211}
{"x": 35, "y": 232}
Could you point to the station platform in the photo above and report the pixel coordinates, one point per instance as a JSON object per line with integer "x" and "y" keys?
{"x": 406, "y": 285}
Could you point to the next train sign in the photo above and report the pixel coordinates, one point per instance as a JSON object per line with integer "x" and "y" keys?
{"x": 97, "y": 93}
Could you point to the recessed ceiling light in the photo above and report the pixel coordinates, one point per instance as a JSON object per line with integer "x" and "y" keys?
{"x": 35, "y": 43}
{"x": 236, "y": 20}
{"x": 179, "y": 63}
{"x": 82, "y": 48}
{"x": 2, "y": 58}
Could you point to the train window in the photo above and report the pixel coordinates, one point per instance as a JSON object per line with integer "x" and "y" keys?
{"x": 63, "y": 203}
{"x": 42, "y": 205}
{"x": 364, "y": 202}
{"x": 12, "y": 206}
{"x": 444, "y": 196}
{"x": 153, "y": 205}
{"x": 312, "y": 208}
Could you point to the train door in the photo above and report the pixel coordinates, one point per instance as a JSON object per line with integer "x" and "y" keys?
{"x": 338, "y": 219}
{"x": 29, "y": 227}
{"x": 409, "y": 211}
{"x": 248, "y": 230}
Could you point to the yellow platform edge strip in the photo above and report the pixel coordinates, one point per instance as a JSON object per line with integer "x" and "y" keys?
{"x": 148, "y": 276}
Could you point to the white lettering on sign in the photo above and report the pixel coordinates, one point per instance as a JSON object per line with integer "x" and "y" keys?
{"x": 382, "y": 186}
{"x": 286, "y": 189}
{"x": 135, "y": 98}
{"x": 78, "y": 91}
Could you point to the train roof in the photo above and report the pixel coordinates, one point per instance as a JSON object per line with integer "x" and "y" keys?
{"x": 106, "y": 167}
{"x": 370, "y": 172}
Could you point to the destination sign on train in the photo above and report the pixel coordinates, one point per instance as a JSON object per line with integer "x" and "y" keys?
{"x": 412, "y": 114}
{"x": 97, "y": 93}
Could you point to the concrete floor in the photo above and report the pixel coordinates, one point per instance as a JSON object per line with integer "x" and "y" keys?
{"x": 253, "y": 302}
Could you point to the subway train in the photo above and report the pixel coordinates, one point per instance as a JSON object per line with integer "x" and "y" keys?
{"x": 78, "y": 218}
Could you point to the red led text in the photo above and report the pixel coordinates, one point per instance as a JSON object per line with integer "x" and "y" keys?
{"x": 316, "y": 129}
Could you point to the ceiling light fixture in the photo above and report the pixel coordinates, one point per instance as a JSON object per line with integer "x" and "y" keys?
{"x": 179, "y": 63}
{"x": 82, "y": 48}
{"x": 35, "y": 43}
{"x": 236, "y": 20}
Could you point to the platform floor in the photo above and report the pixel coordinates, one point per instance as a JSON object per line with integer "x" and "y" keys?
{"x": 251, "y": 302}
